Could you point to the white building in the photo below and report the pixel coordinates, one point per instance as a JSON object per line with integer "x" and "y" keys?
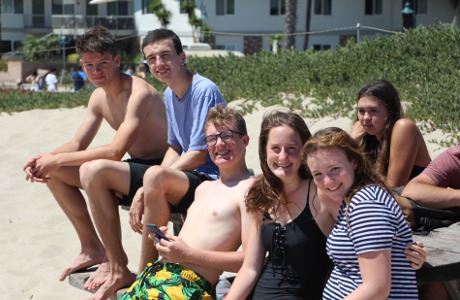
{"x": 243, "y": 25}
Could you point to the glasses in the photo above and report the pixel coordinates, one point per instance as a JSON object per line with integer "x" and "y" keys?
{"x": 225, "y": 136}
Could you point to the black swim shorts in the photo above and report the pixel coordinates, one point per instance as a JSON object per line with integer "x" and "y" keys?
{"x": 195, "y": 179}
{"x": 137, "y": 169}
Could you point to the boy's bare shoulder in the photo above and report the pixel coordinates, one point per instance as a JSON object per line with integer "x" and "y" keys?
{"x": 142, "y": 86}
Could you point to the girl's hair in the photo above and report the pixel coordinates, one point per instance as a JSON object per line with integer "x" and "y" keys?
{"x": 378, "y": 152}
{"x": 334, "y": 137}
{"x": 266, "y": 193}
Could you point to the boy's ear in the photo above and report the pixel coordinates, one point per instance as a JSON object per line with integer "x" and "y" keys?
{"x": 246, "y": 140}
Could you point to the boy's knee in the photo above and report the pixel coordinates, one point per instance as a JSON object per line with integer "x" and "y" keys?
{"x": 154, "y": 175}
{"x": 89, "y": 170}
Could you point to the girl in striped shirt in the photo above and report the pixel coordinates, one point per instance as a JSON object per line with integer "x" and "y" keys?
{"x": 368, "y": 240}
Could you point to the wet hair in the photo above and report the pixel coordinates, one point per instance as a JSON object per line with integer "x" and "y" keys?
{"x": 156, "y": 35}
{"x": 97, "y": 40}
{"x": 334, "y": 137}
{"x": 266, "y": 193}
{"x": 378, "y": 152}
{"x": 220, "y": 115}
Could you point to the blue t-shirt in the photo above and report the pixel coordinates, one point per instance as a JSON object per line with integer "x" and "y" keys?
{"x": 187, "y": 117}
{"x": 374, "y": 223}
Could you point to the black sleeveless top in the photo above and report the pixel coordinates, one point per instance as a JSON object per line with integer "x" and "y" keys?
{"x": 297, "y": 263}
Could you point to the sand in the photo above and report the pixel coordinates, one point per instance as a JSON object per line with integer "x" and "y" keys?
{"x": 37, "y": 239}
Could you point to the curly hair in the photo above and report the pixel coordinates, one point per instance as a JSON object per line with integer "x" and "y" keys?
{"x": 266, "y": 193}
{"x": 220, "y": 115}
{"x": 378, "y": 152}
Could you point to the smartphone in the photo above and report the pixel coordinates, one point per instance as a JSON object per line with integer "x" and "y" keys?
{"x": 154, "y": 229}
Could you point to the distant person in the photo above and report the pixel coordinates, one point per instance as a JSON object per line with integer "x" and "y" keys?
{"x": 129, "y": 71}
{"x": 33, "y": 79}
{"x": 439, "y": 187}
{"x": 51, "y": 80}
{"x": 140, "y": 71}
{"x": 393, "y": 144}
{"x": 20, "y": 85}
{"x": 135, "y": 110}
{"x": 79, "y": 79}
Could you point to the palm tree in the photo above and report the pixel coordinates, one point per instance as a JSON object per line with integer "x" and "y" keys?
{"x": 307, "y": 25}
{"x": 455, "y": 3}
{"x": 160, "y": 11}
{"x": 290, "y": 23}
{"x": 188, "y": 7}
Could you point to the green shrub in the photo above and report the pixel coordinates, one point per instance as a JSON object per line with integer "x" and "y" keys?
{"x": 3, "y": 66}
{"x": 73, "y": 58}
{"x": 423, "y": 63}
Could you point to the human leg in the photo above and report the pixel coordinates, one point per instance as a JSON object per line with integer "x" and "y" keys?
{"x": 162, "y": 187}
{"x": 65, "y": 186}
{"x": 435, "y": 290}
{"x": 100, "y": 179}
{"x": 169, "y": 281}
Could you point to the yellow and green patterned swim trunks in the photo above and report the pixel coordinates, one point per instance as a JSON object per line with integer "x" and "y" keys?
{"x": 166, "y": 281}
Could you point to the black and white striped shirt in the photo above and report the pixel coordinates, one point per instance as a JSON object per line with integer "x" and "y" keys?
{"x": 374, "y": 223}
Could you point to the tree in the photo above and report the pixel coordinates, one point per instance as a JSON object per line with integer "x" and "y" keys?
{"x": 188, "y": 7}
{"x": 160, "y": 11}
{"x": 37, "y": 49}
{"x": 307, "y": 25}
{"x": 455, "y": 3}
{"x": 290, "y": 23}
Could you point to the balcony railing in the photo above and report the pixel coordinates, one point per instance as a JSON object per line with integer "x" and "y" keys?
{"x": 81, "y": 22}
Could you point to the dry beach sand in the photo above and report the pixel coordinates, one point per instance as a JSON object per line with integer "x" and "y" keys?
{"x": 37, "y": 240}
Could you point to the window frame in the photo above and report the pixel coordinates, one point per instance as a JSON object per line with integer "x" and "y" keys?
{"x": 12, "y": 7}
{"x": 277, "y": 7}
{"x": 225, "y": 8}
{"x": 322, "y": 7}
{"x": 373, "y": 7}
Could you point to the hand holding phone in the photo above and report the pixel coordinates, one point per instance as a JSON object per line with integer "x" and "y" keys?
{"x": 159, "y": 234}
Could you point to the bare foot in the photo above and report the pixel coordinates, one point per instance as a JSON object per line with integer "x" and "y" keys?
{"x": 82, "y": 261}
{"x": 113, "y": 283}
{"x": 98, "y": 277}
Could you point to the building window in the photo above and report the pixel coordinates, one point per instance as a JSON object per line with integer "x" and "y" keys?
{"x": 319, "y": 47}
{"x": 145, "y": 6}
{"x": 323, "y": 7}
{"x": 118, "y": 8}
{"x": 277, "y": 7}
{"x": 420, "y": 7}
{"x": 91, "y": 9}
{"x": 38, "y": 13}
{"x": 225, "y": 7}
{"x": 62, "y": 7}
{"x": 56, "y": 7}
{"x": 373, "y": 7}
{"x": 13, "y": 6}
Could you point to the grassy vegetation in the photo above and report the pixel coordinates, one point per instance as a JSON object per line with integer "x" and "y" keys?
{"x": 423, "y": 63}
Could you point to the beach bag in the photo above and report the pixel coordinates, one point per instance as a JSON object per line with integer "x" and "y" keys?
{"x": 422, "y": 219}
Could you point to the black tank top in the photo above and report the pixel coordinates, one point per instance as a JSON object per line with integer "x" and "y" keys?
{"x": 297, "y": 264}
